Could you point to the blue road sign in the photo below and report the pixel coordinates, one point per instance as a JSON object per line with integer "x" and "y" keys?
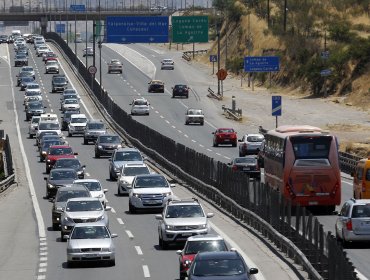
{"x": 77, "y": 8}
{"x": 325, "y": 72}
{"x": 261, "y": 63}
{"x": 325, "y": 54}
{"x": 60, "y": 28}
{"x": 276, "y": 105}
{"x": 213, "y": 58}
{"x": 137, "y": 29}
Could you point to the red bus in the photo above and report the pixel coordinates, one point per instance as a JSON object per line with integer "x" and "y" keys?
{"x": 302, "y": 162}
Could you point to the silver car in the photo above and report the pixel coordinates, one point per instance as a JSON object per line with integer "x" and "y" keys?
{"x": 82, "y": 210}
{"x": 181, "y": 219}
{"x": 128, "y": 173}
{"x": 90, "y": 242}
{"x": 250, "y": 144}
{"x": 353, "y": 223}
{"x": 194, "y": 116}
{"x": 34, "y": 123}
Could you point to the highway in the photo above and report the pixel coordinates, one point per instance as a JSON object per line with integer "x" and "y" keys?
{"x": 137, "y": 253}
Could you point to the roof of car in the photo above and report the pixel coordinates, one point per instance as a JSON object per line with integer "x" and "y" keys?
{"x": 220, "y": 255}
{"x": 126, "y": 149}
{"x": 59, "y": 146}
{"x": 84, "y": 199}
{"x": 95, "y": 121}
{"x": 205, "y": 237}
{"x": 62, "y": 169}
{"x": 149, "y": 175}
{"x": 156, "y": 82}
{"x": 183, "y": 201}
{"x": 78, "y": 116}
{"x": 85, "y": 180}
{"x": 254, "y": 134}
{"x": 360, "y": 201}
{"x": 135, "y": 164}
{"x": 89, "y": 225}
{"x": 73, "y": 187}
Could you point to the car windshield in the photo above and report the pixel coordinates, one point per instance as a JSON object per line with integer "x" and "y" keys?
{"x": 35, "y": 105}
{"x": 71, "y": 101}
{"x": 109, "y": 139}
{"x": 69, "y": 91}
{"x": 361, "y": 211}
{"x": 193, "y": 247}
{"x": 151, "y": 182}
{"x": 67, "y": 163}
{"x": 48, "y": 126}
{"x": 245, "y": 160}
{"x": 91, "y": 232}
{"x": 60, "y": 151}
{"x": 59, "y": 80}
{"x": 49, "y": 143}
{"x": 70, "y": 96}
{"x": 255, "y": 138}
{"x": 27, "y": 79}
{"x": 184, "y": 211}
{"x": 92, "y": 186}
{"x": 78, "y": 120}
{"x": 218, "y": 267}
{"x": 78, "y": 206}
{"x": 140, "y": 102}
{"x": 195, "y": 112}
{"x": 226, "y": 130}
{"x": 35, "y": 120}
{"x": 180, "y": 86}
{"x": 20, "y": 56}
{"x": 133, "y": 171}
{"x": 33, "y": 86}
{"x": 95, "y": 126}
{"x": 51, "y": 63}
{"x": 128, "y": 156}
{"x": 63, "y": 196}
{"x": 32, "y": 93}
{"x": 62, "y": 174}
{"x": 46, "y": 133}
{"x": 27, "y": 69}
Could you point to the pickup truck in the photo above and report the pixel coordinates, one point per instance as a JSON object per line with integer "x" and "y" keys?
{"x": 114, "y": 66}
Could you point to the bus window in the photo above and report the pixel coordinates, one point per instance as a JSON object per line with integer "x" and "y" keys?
{"x": 311, "y": 147}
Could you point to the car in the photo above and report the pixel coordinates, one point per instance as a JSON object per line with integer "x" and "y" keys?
{"x": 3, "y": 39}
{"x": 224, "y": 136}
{"x": 222, "y": 265}
{"x": 31, "y": 96}
{"x": 247, "y": 164}
{"x": 180, "y": 90}
{"x": 34, "y": 123}
{"x": 114, "y": 66}
{"x": 73, "y": 163}
{"x": 93, "y": 129}
{"x": 66, "y": 118}
{"x": 70, "y": 104}
{"x": 22, "y": 50}
{"x": 90, "y": 242}
{"x": 167, "y": 63}
{"x": 47, "y": 55}
{"x": 140, "y": 106}
{"x": 48, "y": 126}
{"x": 49, "y": 137}
{"x": 361, "y": 178}
{"x": 106, "y": 144}
{"x": 20, "y": 60}
{"x": 199, "y": 243}
{"x": 56, "y": 152}
{"x": 250, "y": 144}
{"x": 77, "y": 124}
{"x": 89, "y": 51}
{"x": 127, "y": 175}
{"x": 29, "y": 69}
{"x": 47, "y": 133}
{"x": 45, "y": 144}
{"x": 25, "y": 81}
{"x": 82, "y": 210}
{"x": 149, "y": 191}
{"x": 66, "y": 96}
{"x": 181, "y": 219}
{"x": 49, "y": 117}
{"x": 352, "y": 224}
{"x": 21, "y": 75}
{"x": 51, "y": 66}
{"x": 59, "y": 178}
{"x": 61, "y": 198}
{"x": 70, "y": 91}
{"x": 193, "y": 116}
{"x": 59, "y": 83}
{"x": 120, "y": 157}
{"x": 41, "y": 50}
{"x": 156, "y": 86}
{"x": 32, "y": 87}
{"x": 95, "y": 188}
{"x": 35, "y": 108}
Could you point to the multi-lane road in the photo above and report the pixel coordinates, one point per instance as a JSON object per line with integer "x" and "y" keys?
{"x": 37, "y": 250}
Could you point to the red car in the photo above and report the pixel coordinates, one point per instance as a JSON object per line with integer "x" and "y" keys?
{"x": 199, "y": 243}
{"x": 225, "y": 136}
{"x": 56, "y": 152}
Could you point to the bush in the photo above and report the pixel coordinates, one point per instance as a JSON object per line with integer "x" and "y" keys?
{"x": 339, "y": 31}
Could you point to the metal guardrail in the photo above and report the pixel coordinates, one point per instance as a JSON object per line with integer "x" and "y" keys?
{"x": 213, "y": 94}
{"x": 253, "y": 204}
{"x": 187, "y": 54}
{"x": 8, "y": 165}
{"x": 7, "y": 182}
{"x": 186, "y": 57}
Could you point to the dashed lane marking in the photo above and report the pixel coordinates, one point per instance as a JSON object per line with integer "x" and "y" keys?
{"x": 146, "y": 271}
{"x": 119, "y": 220}
{"x": 138, "y": 250}
{"x": 129, "y": 234}
{"x": 113, "y": 211}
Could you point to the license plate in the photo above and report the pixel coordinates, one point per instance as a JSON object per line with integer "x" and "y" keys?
{"x": 246, "y": 168}
{"x": 186, "y": 234}
{"x": 226, "y": 140}
{"x": 152, "y": 202}
{"x": 91, "y": 255}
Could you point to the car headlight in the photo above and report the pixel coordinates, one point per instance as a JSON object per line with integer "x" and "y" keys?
{"x": 136, "y": 195}
{"x": 100, "y": 195}
{"x": 48, "y": 160}
{"x": 80, "y": 172}
{"x": 203, "y": 226}
{"x": 100, "y": 146}
{"x": 59, "y": 209}
{"x": 68, "y": 219}
{"x": 71, "y": 127}
{"x": 119, "y": 146}
{"x": 167, "y": 194}
{"x": 43, "y": 153}
{"x": 170, "y": 227}
{"x": 116, "y": 169}
{"x": 124, "y": 182}
{"x": 51, "y": 186}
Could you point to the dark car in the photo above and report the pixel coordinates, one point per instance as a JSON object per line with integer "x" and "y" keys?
{"x": 35, "y": 108}
{"x": 220, "y": 265}
{"x": 3, "y": 39}
{"x": 60, "y": 177}
{"x": 247, "y": 164}
{"x": 56, "y": 152}
{"x": 180, "y": 90}
{"x": 156, "y": 86}
{"x": 93, "y": 129}
{"x": 67, "y": 117}
{"x": 73, "y": 163}
{"x": 46, "y": 143}
{"x": 224, "y": 136}
{"x": 106, "y": 144}
{"x": 22, "y": 75}
{"x": 20, "y": 60}
{"x": 59, "y": 83}
{"x": 61, "y": 198}
{"x": 25, "y": 81}
{"x": 40, "y": 137}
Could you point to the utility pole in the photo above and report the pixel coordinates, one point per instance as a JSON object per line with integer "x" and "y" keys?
{"x": 249, "y": 42}
{"x": 285, "y": 13}
{"x": 268, "y": 13}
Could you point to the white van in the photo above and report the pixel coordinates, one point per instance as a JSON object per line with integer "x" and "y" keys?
{"x": 16, "y": 33}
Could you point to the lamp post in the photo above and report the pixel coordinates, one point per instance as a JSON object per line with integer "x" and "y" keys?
{"x": 218, "y": 57}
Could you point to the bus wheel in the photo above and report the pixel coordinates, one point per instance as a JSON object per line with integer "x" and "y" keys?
{"x": 330, "y": 209}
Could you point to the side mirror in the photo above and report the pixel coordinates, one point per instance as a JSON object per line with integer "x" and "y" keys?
{"x": 45, "y": 178}
{"x": 172, "y": 185}
{"x": 353, "y": 174}
{"x": 51, "y": 200}
{"x": 159, "y": 217}
{"x": 108, "y": 208}
{"x": 213, "y": 133}
{"x": 240, "y": 140}
{"x": 210, "y": 215}
{"x": 179, "y": 252}
{"x": 76, "y": 154}
{"x": 114, "y": 235}
{"x": 110, "y": 159}
{"x": 105, "y": 190}
{"x": 83, "y": 166}
{"x": 253, "y": 271}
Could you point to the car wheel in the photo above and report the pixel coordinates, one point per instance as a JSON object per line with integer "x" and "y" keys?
{"x": 187, "y": 96}
{"x": 234, "y": 144}
{"x": 86, "y": 142}
{"x": 186, "y": 123}
{"x": 47, "y": 170}
{"x": 61, "y": 236}
{"x": 202, "y": 123}
{"x": 41, "y": 159}
{"x": 70, "y": 264}
{"x": 69, "y": 134}
{"x": 345, "y": 243}
{"x": 55, "y": 226}
{"x": 215, "y": 144}
{"x": 97, "y": 155}
{"x": 31, "y": 136}
{"x": 131, "y": 208}
{"x": 119, "y": 191}
{"x": 164, "y": 245}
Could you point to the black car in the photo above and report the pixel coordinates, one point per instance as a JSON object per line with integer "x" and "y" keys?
{"x": 247, "y": 164}
{"x": 3, "y": 39}
{"x": 59, "y": 83}
{"x": 73, "y": 163}
{"x": 66, "y": 118}
{"x": 156, "y": 86}
{"x": 35, "y": 108}
{"x": 23, "y": 74}
{"x": 106, "y": 144}
{"x": 20, "y": 60}
{"x": 60, "y": 177}
{"x": 25, "y": 81}
{"x": 180, "y": 90}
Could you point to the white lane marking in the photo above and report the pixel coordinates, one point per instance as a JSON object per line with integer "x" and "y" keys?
{"x": 200, "y": 145}
{"x": 113, "y": 211}
{"x": 250, "y": 263}
{"x": 41, "y": 270}
{"x": 138, "y": 250}
{"x": 218, "y": 154}
{"x": 41, "y": 277}
{"x": 119, "y": 220}
{"x": 161, "y": 117}
{"x": 167, "y": 122}
{"x": 173, "y": 126}
{"x": 192, "y": 140}
{"x": 51, "y": 110}
{"x": 156, "y": 111}
{"x": 209, "y": 150}
{"x": 186, "y": 136}
{"x": 43, "y": 259}
{"x": 43, "y": 253}
{"x": 87, "y": 174}
{"x": 129, "y": 234}
{"x": 179, "y": 131}
{"x": 43, "y": 264}
{"x": 43, "y": 243}
{"x": 43, "y": 248}
{"x": 43, "y": 238}
{"x": 360, "y": 275}
{"x": 227, "y": 157}
{"x": 146, "y": 271}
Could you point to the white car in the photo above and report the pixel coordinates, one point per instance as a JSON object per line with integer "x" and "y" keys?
{"x": 30, "y": 96}
{"x": 49, "y": 126}
{"x": 70, "y": 104}
{"x": 168, "y": 63}
{"x": 149, "y": 192}
{"x": 33, "y": 87}
{"x": 194, "y": 116}
{"x": 34, "y": 123}
{"x": 51, "y": 66}
{"x": 95, "y": 188}
{"x": 42, "y": 49}
{"x": 77, "y": 124}
{"x": 140, "y": 106}
{"x": 128, "y": 173}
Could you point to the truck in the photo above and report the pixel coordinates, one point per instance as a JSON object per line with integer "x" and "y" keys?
{"x": 115, "y": 66}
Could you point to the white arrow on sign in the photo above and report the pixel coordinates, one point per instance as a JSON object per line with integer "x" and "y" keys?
{"x": 123, "y": 39}
{"x": 151, "y": 39}
{"x": 190, "y": 38}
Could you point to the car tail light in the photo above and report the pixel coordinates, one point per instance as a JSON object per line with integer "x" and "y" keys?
{"x": 349, "y": 224}
{"x": 235, "y": 168}
{"x": 187, "y": 263}
{"x": 335, "y": 189}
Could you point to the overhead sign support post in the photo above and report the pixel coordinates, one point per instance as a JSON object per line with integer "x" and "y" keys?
{"x": 276, "y": 107}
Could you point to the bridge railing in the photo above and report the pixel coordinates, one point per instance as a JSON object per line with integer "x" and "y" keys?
{"x": 251, "y": 203}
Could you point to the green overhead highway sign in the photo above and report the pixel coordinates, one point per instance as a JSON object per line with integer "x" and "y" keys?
{"x": 190, "y": 29}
